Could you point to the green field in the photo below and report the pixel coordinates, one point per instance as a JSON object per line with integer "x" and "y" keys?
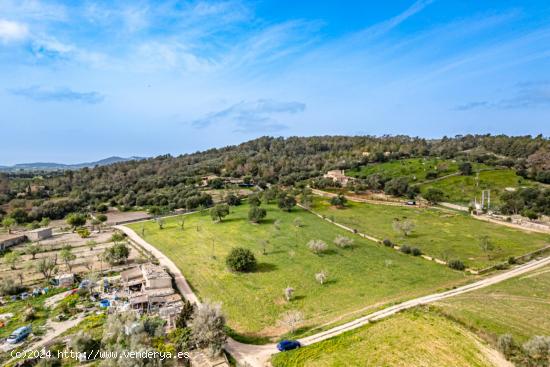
{"x": 414, "y": 168}
{"x": 439, "y": 233}
{"x": 463, "y": 189}
{"x": 411, "y": 338}
{"x": 360, "y": 279}
{"x": 519, "y": 306}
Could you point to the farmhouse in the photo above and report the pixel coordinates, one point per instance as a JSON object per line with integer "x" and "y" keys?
{"x": 149, "y": 289}
{"x": 39, "y": 234}
{"x": 338, "y": 176}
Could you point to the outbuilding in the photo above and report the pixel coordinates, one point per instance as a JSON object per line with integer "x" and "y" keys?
{"x": 39, "y": 234}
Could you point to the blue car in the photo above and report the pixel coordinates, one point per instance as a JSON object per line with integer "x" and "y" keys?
{"x": 19, "y": 335}
{"x": 285, "y": 345}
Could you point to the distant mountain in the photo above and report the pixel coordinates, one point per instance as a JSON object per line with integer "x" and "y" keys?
{"x": 47, "y": 166}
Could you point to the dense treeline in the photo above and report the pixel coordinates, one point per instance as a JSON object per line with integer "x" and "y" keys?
{"x": 173, "y": 182}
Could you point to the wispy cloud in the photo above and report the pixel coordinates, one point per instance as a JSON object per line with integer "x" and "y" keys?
{"x": 471, "y": 105}
{"x": 253, "y": 116}
{"x": 57, "y": 95}
{"x": 381, "y": 28}
{"x": 12, "y": 31}
{"x": 526, "y": 95}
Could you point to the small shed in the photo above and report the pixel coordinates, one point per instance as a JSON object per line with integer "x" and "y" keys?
{"x": 65, "y": 280}
{"x": 39, "y": 234}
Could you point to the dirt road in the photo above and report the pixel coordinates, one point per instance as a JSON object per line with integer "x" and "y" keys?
{"x": 259, "y": 355}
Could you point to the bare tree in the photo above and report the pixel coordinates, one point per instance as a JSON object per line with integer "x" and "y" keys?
{"x": 343, "y": 241}
{"x": 288, "y": 292}
{"x": 292, "y": 319}
{"x": 264, "y": 244}
{"x": 486, "y": 246}
{"x": 160, "y": 222}
{"x": 404, "y": 226}
{"x": 321, "y": 277}
{"x": 317, "y": 246}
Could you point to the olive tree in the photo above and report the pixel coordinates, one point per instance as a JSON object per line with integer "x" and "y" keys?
{"x": 208, "y": 327}
{"x": 219, "y": 212}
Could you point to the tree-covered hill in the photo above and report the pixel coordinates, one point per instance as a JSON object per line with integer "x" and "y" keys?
{"x": 173, "y": 182}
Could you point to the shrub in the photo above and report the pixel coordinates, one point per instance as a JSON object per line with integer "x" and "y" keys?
{"x": 317, "y": 246}
{"x": 538, "y": 349}
{"x": 387, "y": 243}
{"x": 506, "y": 345}
{"x": 456, "y": 264}
{"x": 415, "y": 251}
{"x": 512, "y": 260}
{"x": 405, "y": 249}
{"x": 83, "y": 232}
{"x": 241, "y": 259}
{"x": 339, "y": 201}
{"x": 8, "y": 287}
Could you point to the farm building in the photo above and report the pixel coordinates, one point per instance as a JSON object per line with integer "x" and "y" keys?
{"x": 7, "y": 241}
{"x": 39, "y": 234}
{"x": 338, "y": 176}
{"x": 149, "y": 289}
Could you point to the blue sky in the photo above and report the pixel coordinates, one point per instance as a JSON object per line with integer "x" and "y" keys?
{"x": 82, "y": 80}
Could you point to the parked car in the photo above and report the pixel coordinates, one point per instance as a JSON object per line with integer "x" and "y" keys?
{"x": 285, "y": 345}
{"x": 19, "y": 334}
{"x": 24, "y": 295}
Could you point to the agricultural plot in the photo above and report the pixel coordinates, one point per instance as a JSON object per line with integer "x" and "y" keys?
{"x": 463, "y": 189}
{"x": 87, "y": 257}
{"x": 439, "y": 233}
{"x": 518, "y": 306}
{"x": 360, "y": 279}
{"x": 411, "y": 338}
{"x": 415, "y": 169}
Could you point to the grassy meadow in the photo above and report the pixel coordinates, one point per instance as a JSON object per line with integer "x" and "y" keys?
{"x": 411, "y": 338}
{"x": 519, "y": 306}
{"x": 414, "y": 168}
{"x": 463, "y": 189}
{"x": 440, "y": 233}
{"x": 360, "y": 279}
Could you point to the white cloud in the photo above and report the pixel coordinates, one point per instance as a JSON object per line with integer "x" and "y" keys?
{"x": 12, "y": 31}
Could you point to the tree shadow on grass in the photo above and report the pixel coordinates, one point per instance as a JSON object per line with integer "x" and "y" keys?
{"x": 265, "y": 268}
{"x": 328, "y": 252}
{"x": 228, "y": 220}
{"x": 297, "y": 333}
